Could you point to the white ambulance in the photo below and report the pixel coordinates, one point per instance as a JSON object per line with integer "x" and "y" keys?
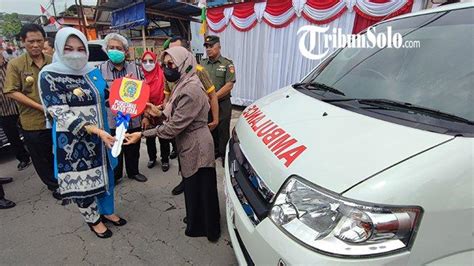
{"x": 368, "y": 160}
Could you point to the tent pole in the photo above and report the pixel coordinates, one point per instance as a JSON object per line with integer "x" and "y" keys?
{"x": 144, "y": 40}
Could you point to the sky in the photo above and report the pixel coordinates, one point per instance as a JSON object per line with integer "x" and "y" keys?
{"x": 32, "y": 7}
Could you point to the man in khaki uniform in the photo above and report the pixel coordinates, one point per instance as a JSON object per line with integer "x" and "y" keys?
{"x": 222, "y": 72}
{"x": 21, "y": 85}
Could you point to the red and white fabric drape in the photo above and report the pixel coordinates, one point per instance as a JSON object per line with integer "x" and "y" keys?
{"x": 280, "y": 13}
{"x": 262, "y": 38}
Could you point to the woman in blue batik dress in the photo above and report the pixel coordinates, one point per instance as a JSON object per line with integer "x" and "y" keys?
{"x": 73, "y": 94}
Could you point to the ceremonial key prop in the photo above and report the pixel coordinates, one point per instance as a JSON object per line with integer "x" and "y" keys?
{"x": 128, "y": 98}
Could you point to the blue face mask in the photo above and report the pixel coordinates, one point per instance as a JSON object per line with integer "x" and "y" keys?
{"x": 116, "y": 56}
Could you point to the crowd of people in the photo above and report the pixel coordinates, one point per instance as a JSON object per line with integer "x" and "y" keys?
{"x": 59, "y": 104}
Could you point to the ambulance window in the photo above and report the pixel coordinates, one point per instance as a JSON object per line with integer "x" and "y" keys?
{"x": 437, "y": 75}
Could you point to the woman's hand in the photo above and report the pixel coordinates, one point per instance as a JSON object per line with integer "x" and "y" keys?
{"x": 106, "y": 138}
{"x": 145, "y": 123}
{"x": 153, "y": 110}
{"x": 213, "y": 125}
{"x": 131, "y": 138}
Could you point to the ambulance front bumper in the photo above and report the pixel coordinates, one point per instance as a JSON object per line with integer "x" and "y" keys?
{"x": 265, "y": 244}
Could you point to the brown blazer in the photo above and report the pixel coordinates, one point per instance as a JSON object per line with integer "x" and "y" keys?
{"x": 188, "y": 124}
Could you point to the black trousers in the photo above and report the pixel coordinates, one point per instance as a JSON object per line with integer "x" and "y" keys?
{"x": 221, "y": 134}
{"x": 202, "y": 204}
{"x": 10, "y": 127}
{"x": 131, "y": 155}
{"x": 40, "y": 145}
{"x": 164, "y": 148}
{"x": 2, "y": 193}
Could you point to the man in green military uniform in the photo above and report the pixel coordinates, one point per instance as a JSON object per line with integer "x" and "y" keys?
{"x": 222, "y": 72}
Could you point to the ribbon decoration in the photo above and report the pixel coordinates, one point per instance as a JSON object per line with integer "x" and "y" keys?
{"x": 203, "y": 5}
{"x": 122, "y": 123}
{"x": 122, "y": 119}
{"x": 203, "y": 28}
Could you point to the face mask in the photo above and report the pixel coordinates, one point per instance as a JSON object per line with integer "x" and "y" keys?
{"x": 172, "y": 74}
{"x": 75, "y": 60}
{"x": 116, "y": 56}
{"x": 149, "y": 66}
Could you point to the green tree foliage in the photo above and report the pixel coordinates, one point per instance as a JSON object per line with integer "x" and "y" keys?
{"x": 11, "y": 25}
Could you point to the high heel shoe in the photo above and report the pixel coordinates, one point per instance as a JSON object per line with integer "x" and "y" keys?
{"x": 120, "y": 222}
{"x": 106, "y": 234}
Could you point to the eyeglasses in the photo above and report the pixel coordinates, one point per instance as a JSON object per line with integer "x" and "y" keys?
{"x": 168, "y": 64}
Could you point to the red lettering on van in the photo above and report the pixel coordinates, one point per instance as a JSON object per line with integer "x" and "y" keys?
{"x": 275, "y": 138}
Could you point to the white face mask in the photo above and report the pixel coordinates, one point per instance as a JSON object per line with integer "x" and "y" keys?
{"x": 75, "y": 60}
{"x": 149, "y": 66}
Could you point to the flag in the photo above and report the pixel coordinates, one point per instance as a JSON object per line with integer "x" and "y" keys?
{"x": 52, "y": 20}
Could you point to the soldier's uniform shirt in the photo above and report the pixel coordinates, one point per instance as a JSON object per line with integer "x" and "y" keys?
{"x": 22, "y": 76}
{"x": 221, "y": 71}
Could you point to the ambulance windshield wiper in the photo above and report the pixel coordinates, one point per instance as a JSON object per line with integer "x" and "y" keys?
{"x": 404, "y": 106}
{"x": 317, "y": 86}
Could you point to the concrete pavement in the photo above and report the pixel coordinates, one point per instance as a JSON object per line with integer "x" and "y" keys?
{"x": 40, "y": 231}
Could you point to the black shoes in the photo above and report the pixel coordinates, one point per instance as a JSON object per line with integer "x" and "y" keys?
{"x": 165, "y": 167}
{"x": 139, "y": 178}
{"x": 120, "y": 222}
{"x": 57, "y": 195}
{"x": 106, "y": 234}
{"x": 23, "y": 165}
{"x": 214, "y": 239}
{"x": 151, "y": 164}
{"x": 5, "y": 180}
{"x": 173, "y": 155}
{"x": 178, "y": 189}
{"x": 6, "y": 204}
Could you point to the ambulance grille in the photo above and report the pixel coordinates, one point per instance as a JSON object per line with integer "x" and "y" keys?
{"x": 253, "y": 193}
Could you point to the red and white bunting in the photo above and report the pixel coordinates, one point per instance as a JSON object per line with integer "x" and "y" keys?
{"x": 280, "y": 13}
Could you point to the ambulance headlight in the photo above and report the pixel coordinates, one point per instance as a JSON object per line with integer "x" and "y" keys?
{"x": 328, "y": 223}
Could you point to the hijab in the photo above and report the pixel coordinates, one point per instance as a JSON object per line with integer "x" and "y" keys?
{"x": 59, "y": 65}
{"x": 186, "y": 63}
{"x": 156, "y": 80}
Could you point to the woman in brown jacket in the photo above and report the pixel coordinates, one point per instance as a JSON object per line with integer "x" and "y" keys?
{"x": 185, "y": 118}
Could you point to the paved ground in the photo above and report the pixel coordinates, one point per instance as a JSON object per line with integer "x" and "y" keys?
{"x": 40, "y": 231}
